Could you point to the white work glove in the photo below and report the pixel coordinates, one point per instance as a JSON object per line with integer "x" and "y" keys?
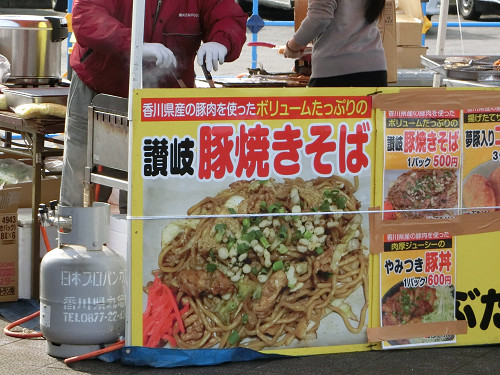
{"x": 158, "y": 53}
{"x": 212, "y": 53}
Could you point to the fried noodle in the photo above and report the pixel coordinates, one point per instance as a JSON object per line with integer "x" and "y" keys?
{"x": 265, "y": 281}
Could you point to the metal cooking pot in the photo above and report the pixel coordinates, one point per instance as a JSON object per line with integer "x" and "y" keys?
{"x": 32, "y": 44}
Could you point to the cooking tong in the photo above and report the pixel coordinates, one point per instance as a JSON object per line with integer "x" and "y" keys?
{"x": 179, "y": 80}
{"x": 207, "y": 75}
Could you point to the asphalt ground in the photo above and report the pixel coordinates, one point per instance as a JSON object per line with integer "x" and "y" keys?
{"x": 29, "y": 356}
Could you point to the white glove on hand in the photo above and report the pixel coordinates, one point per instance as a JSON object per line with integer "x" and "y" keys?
{"x": 213, "y": 53}
{"x": 161, "y": 55}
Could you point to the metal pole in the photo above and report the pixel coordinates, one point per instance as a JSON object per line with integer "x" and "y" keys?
{"x": 443, "y": 20}
{"x": 468, "y": 24}
{"x": 135, "y": 82}
{"x": 441, "y": 36}
{"x": 255, "y": 10}
{"x": 137, "y": 39}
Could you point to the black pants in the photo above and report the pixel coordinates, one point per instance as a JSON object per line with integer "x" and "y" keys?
{"x": 376, "y": 78}
{"x": 61, "y": 6}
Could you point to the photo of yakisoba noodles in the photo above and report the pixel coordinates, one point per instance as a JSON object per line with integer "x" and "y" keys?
{"x": 265, "y": 281}
{"x": 418, "y": 193}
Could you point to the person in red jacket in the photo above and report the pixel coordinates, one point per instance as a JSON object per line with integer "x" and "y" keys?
{"x": 176, "y": 33}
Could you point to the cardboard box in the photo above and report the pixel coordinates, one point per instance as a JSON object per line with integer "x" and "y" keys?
{"x": 118, "y": 234}
{"x": 50, "y": 186}
{"x": 9, "y": 200}
{"x": 408, "y": 30}
{"x": 412, "y": 8}
{"x": 387, "y": 27}
{"x": 50, "y": 191}
{"x": 299, "y": 12}
{"x": 409, "y": 56}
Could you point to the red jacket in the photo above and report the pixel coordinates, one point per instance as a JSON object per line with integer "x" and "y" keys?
{"x": 101, "y": 56}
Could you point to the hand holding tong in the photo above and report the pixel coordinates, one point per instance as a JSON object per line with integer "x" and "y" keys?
{"x": 207, "y": 74}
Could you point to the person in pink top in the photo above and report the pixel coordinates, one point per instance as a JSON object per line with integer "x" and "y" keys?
{"x": 347, "y": 47}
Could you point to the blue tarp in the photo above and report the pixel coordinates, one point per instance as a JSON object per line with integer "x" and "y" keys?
{"x": 21, "y": 308}
{"x": 163, "y": 358}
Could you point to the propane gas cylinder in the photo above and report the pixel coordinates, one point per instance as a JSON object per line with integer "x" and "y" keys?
{"x": 82, "y": 284}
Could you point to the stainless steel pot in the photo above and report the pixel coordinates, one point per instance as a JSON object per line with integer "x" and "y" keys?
{"x": 32, "y": 44}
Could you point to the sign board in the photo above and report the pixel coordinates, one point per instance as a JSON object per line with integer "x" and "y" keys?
{"x": 254, "y": 219}
{"x": 234, "y": 197}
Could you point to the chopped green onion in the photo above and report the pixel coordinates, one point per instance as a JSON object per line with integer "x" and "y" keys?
{"x": 212, "y": 255}
{"x": 297, "y": 235}
{"x": 325, "y": 206}
{"x": 255, "y": 271}
{"x": 220, "y": 227}
{"x": 319, "y": 250}
{"x": 244, "y": 318}
{"x": 230, "y": 242}
{"x": 258, "y": 292}
{"x": 278, "y": 265}
{"x": 256, "y": 220}
{"x": 271, "y": 207}
{"x": 307, "y": 235}
{"x": 253, "y": 235}
{"x": 338, "y": 199}
{"x": 233, "y": 338}
{"x": 219, "y": 237}
{"x": 282, "y": 249}
{"x": 274, "y": 207}
{"x": 211, "y": 267}
{"x": 263, "y": 205}
{"x": 232, "y": 211}
{"x": 332, "y": 194}
{"x": 283, "y": 232}
{"x": 264, "y": 270}
{"x": 263, "y": 240}
{"x": 341, "y": 200}
{"x": 231, "y": 305}
{"x": 242, "y": 248}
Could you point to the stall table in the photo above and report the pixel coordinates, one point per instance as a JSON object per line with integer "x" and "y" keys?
{"x": 34, "y": 133}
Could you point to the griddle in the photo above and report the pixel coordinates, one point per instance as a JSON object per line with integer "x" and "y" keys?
{"x": 478, "y": 68}
{"x": 265, "y": 80}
